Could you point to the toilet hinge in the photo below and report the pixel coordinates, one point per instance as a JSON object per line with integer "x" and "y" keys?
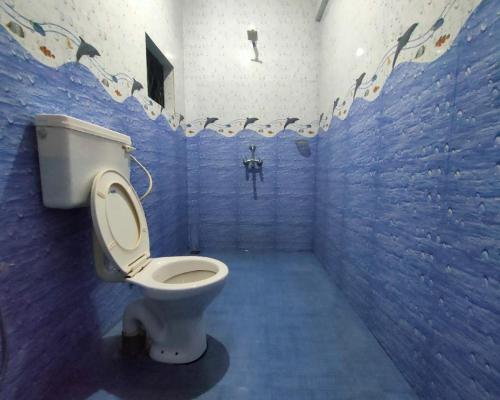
{"x": 138, "y": 265}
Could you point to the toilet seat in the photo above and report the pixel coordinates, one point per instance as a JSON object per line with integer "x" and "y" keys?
{"x": 119, "y": 222}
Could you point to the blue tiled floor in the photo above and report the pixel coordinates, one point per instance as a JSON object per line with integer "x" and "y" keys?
{"x": 279, "y": 330}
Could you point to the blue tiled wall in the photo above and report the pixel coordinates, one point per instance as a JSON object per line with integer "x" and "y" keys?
{"x": 408, "y": 214}
{"x": 53, "y": 306}
{"x": 224, "y": 211}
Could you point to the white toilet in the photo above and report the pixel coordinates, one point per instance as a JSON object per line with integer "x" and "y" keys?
{"x": 177, "y": 289}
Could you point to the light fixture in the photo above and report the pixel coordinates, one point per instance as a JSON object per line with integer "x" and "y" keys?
{"x": 252, "y": 36}
{"x": 359, "y": 52}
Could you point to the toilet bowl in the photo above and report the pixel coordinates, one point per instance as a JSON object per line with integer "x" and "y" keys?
{"x": 176, "y": 290}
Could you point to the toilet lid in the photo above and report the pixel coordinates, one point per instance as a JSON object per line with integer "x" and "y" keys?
{"x": 119, "y": 221}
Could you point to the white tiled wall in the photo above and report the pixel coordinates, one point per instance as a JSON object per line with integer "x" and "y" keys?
{"x": 116, "y": 28}
{"x": 220, "y": 79}
{"x": 361, "y": 36}
{"x": 305, "y": 66}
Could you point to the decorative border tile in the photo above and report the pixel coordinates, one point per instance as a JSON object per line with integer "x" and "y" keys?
{"x": 55, "y": 45}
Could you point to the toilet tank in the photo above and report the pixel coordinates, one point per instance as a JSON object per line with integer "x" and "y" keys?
{"x": 71, "y": 152}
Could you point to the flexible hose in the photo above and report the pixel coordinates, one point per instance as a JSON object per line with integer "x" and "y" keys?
{"x": 128, "y": 150}
{"x": 150, "y": 178}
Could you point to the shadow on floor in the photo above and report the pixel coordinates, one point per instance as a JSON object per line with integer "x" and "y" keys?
{"x": 112, "y": 376}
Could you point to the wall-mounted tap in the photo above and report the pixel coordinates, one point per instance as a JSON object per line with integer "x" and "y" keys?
{"x": 252, "y": 162}
{"x": 253, "y": 168}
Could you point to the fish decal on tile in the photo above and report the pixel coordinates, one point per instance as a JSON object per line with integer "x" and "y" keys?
{"x": 438, "y": 24}
{"x": 402, "y": 42}
{"x": 376, "y": 89}
{"x": 249, "y": 120}
{"x": 442, "y": 40}
{"x": 136, "y": 85}
{"x": 209, "y": 120}
{"x": 16, "y": 28}
{"x": 38, "y": 28}
{"x": 289, "y": 121}
{"x": 86, "y": 49}
{"x": 420, "y": 52}
{"x": 46, "y": 51}
{"x": 359, "y": 81}
{"x": 335, "y": 103}
{"x": 105, "y": 82}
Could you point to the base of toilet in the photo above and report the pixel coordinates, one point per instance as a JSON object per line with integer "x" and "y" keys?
{"x": 184, "y": 342}
{"x": 175, "y": 329}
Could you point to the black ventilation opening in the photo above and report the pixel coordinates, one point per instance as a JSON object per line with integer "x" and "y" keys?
{"x": 159, "y": 69}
